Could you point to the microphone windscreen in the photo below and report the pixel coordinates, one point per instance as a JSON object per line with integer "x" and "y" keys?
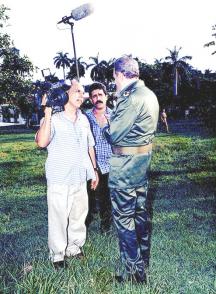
{"x": 82, "y": 11}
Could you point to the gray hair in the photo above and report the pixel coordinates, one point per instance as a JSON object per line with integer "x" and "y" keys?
{"x": 128, "y": 66}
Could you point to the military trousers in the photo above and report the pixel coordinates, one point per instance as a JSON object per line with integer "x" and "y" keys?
{"x": 131, "y": 219}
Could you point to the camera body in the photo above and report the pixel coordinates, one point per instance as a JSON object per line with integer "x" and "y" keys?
{"x": 56, "y": 93}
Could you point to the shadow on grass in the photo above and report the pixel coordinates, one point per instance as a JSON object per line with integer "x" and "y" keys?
{"x": 25, "y": 219}
{"x": 9, "y": 179}
{"x": 10, "y": 164}
{"x": 191, "y": 203}
{"x": 149, "y": 206}
{"x": 17, "y": 139}
{"x": 23, "y": 236}
{"x": 160, "y": 173}
{"x": 202, "y": 185}
{"x": 183, "y": 207}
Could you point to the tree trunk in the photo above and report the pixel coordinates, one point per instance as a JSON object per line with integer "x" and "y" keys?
{"x": 175, "y": 86}
{"x": 64, "y": 72}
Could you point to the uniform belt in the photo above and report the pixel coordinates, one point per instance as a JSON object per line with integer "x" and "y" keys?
{"x": 132, "y": 149}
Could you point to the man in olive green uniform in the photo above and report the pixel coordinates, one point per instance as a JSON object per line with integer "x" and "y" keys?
{"x": 132, "y": 128}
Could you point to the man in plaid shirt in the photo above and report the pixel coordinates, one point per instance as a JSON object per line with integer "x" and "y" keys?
{"x": 99, "y": 118}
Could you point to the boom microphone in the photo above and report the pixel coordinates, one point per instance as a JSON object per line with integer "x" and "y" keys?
{"x": 82, "y": 11}
{"x": 64, "y": 19}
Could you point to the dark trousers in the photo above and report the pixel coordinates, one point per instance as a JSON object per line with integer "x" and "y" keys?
{"x": 131, "y": 220}
{"x": 102, "y": 195}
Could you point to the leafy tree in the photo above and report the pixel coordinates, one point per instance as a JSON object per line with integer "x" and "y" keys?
{"x": 4, "y": 38}
{"x": 109, "y": 73}
{"x": 15, "y": 71}
{"x": 212, "y": 43}
{"x": 179, "y": 66}
{"x": 61, "y": 60}
{"x": 17, "y": 64}
{"x": 207, "y": 103}
{"x": 161, "y": 82}
{"x": 147, "y": 73}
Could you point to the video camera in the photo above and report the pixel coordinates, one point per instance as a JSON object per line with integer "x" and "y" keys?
{"x": 57, "y": 95}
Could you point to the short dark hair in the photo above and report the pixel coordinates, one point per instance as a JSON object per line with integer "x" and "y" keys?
{"x": 128, "y": 66}
{"x": 96, "y": 86}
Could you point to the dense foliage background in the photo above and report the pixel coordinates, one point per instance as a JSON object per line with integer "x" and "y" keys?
{"x": 178, "y": 85}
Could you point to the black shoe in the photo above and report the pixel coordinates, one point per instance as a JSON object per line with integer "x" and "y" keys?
{"x": 119, "y": 279}
{"x": 59, "y": 265}
{"x": 135, "y": 279}
{"x": 105, "y": 226}
{"x": 88, "y": 221}
{"x": 105, "y": 229}
{"x": 146, "y": 263}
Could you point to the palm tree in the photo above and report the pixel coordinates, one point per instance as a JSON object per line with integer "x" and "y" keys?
{"x": 179, "y": 66}
{"x": 73, "y": 70}
{"x": 99, "y": 71}
{"x": 212, "y": 43}
{"x": 61, "y": 60}
{"x": 109, "y": 71}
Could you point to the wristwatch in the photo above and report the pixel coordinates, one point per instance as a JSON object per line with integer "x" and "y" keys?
{"x": 96, "y": 169}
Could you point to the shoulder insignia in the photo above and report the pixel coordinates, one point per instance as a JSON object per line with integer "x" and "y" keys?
{"x": 126, "y": 93}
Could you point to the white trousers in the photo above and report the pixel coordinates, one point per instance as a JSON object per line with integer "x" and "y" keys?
{"x": 67, "y": 211}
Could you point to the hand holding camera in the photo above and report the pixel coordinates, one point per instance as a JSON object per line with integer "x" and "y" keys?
{"x": 55, "y": 95}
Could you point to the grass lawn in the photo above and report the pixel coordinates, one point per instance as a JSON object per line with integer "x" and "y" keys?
{"x": 182, "y": 203}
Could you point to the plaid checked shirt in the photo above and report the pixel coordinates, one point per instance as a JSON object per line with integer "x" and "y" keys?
{"x": 103, "y": 149}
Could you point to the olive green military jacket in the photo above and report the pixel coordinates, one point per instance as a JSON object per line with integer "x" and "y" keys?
{"x": 134, "y": 120}
{"x": 133, "y": 123}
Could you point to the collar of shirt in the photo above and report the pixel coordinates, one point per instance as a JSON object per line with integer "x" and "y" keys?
{"x": 107, "y": 113}
{"x": 78, "y": 113}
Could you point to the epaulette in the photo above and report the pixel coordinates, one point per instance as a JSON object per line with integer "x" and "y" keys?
{"x": 127, "y": 93}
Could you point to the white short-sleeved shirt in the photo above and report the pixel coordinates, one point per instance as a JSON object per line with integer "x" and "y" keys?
{"x": 68, "y": 161}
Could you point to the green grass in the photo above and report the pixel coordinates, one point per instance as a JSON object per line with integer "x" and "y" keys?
{"x": 182, "y": 203}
